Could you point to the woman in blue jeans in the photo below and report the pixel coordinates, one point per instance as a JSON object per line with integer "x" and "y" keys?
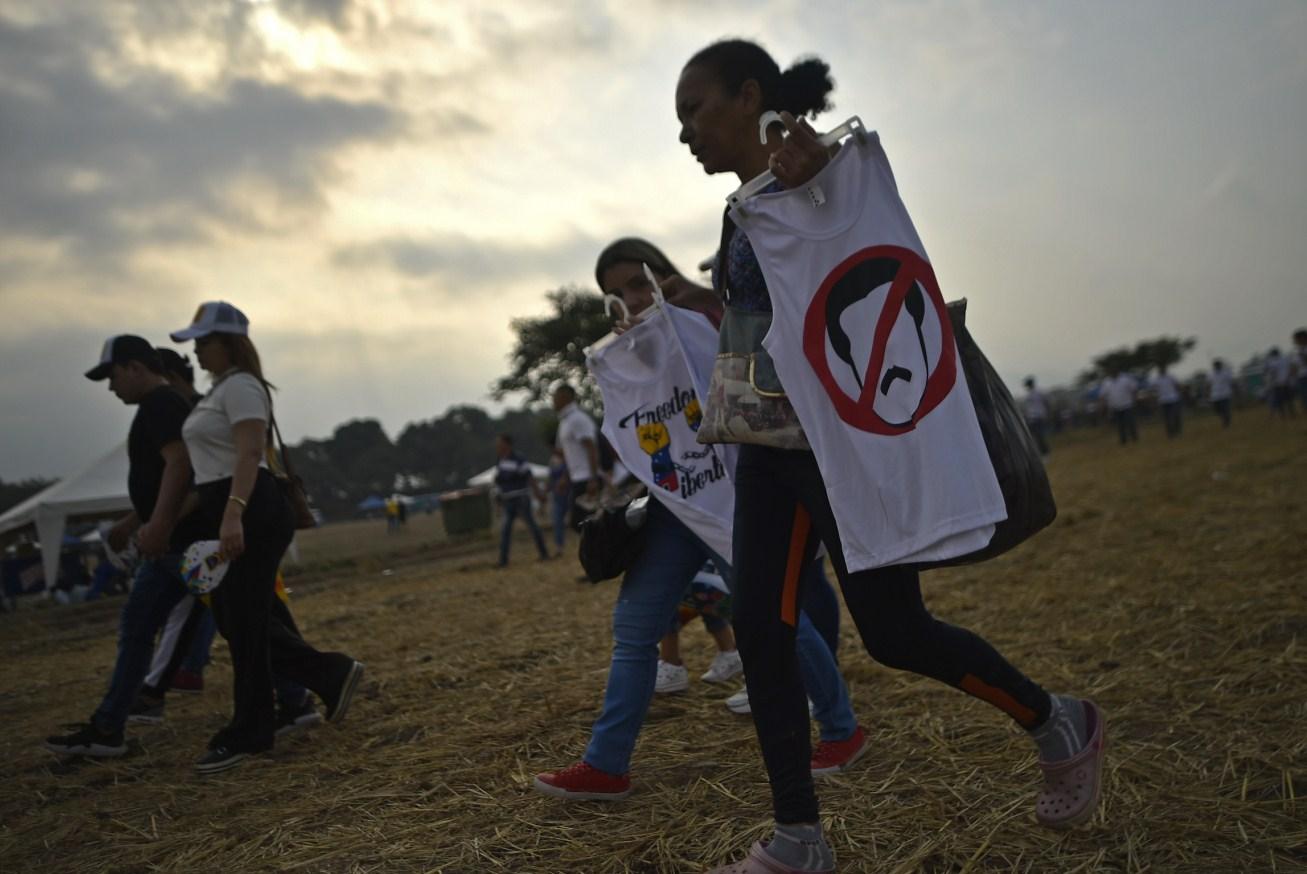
{"x": 650, "y": 593}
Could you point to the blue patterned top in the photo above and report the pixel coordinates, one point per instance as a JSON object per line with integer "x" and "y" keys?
{"x": 748, "y": 288}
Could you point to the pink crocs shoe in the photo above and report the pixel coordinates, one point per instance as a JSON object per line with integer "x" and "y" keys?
{"x": 1072, "y": 786}
{"x": 758, "y": 862}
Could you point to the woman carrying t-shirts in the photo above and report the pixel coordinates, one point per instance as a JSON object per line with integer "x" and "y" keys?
{"x": 244, "y": 508}
{"x": 782, "y": 507}
{"x": 651, "y": 590}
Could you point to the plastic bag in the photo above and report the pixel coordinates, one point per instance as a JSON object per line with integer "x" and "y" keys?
{"x": 1011, "y": 447}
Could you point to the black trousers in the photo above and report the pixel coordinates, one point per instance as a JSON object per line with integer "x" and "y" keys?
{"x": 1222, "y": 408}
{"x": 1039, "y": 430}
{"x": 781, "y": 512}
{"x": 260, "y": 632}
{"x": 1171, "y": 418}
{"x": 1125, "y": 425}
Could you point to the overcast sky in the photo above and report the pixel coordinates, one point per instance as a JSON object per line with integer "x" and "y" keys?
{"x": 381, "y": 186}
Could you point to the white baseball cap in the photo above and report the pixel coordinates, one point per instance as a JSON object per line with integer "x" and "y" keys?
{"x": 203, "y": 566}
{"x": 214, "y": 317}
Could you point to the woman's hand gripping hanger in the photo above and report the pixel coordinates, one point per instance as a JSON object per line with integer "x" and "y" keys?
{"x": 804, "y": 139}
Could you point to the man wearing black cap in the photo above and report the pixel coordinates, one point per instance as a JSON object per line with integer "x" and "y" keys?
{"x": 158, "y": 478}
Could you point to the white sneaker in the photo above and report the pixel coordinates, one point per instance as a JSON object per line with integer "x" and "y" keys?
{"x": 724, "y": 666}
{"x": 671, "y": 678}
{"x": 739, "y": 703}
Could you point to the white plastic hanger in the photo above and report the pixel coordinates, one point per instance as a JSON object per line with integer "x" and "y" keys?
{"x": 612, "y": 300}
{"x": 852, "y": 127}
{"x": 658, "y": 298}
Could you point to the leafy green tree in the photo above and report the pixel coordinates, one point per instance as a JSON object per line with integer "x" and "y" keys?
{"x": 1164, "y": 351}
{"x": 1146, "y": 355}
{"x": 551, "y": 349}
{"x": 12, "y": 494}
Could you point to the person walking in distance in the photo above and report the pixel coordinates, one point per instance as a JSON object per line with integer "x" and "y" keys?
{"x": 1221, "y": 390}
{"x": 578, "y": 440}
{"x": 1279, "y": 383}
{"x": 1118, "y": 393}
{"x": 516, "y": 486}
{"x": 1036, "y": 409}
{"x": 560, "y": 489}
{"x": 1168, "y": 399}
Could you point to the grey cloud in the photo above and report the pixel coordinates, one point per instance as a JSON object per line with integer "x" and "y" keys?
{"x": 585, "y": 27}
{"x": 168, "y": 18}
{"x": 106, "y": 167}
{"x": 328, "y": 11}
{"x": 459, "y": 263}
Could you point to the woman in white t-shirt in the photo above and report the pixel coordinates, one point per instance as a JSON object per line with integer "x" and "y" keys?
{"x": 242, "y": 505}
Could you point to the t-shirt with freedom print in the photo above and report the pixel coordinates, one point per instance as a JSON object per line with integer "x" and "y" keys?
{"x": 652, "y": 415}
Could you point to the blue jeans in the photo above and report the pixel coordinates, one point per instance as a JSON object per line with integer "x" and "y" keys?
{"x": 197, "y": 658}
{"x": 822, "y": 606}
{"x": 650, "y": 591}
{"x": 558, "y": 506}
{"x": 157, "y": 589}
{"x": 514, "y": 507}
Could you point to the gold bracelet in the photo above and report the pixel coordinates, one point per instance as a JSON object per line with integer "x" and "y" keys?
{"x": 244, "y": 503}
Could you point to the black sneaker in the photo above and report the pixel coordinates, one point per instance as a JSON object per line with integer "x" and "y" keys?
{"x": 339, "y": 703}
{"x": 219, "y": 759}
{"x": 88, "y": 741}
{"x": 146, "y": 710}
{"x": 294, "y": 719}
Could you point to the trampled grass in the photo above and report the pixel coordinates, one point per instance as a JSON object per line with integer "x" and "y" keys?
{"x": 1171, "y": 589}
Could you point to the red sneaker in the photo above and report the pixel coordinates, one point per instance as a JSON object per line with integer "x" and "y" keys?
{"x": 833, "y": 756}
{"x": 581, "y": 782}
{"x": 188, "y": 682}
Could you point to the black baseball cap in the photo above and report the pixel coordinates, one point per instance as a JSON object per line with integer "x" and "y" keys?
{"x": 121, "y": 349}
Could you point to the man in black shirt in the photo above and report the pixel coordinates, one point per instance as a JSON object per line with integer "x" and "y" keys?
{"x": 158, "y": 479}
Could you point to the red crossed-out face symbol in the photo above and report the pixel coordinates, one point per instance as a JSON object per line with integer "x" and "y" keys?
{"x": 877, "y": 335}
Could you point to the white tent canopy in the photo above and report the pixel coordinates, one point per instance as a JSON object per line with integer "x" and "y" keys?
{"x": 487, "y": 476}
{"x": 99, "y": 489}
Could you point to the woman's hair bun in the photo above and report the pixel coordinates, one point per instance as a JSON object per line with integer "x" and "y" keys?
{"x": 805, "y": 87}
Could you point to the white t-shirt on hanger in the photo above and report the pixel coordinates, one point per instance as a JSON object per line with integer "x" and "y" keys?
{"x": 862, "y": 343}
{"x": 652, "y": 414}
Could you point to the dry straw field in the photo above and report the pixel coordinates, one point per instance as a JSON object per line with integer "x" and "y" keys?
{"x": 1171, "y": 589}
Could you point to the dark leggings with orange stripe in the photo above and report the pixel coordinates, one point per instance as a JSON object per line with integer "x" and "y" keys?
{"x": 781, "y": 513}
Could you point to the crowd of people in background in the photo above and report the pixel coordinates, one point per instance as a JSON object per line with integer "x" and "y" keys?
{"x": 1279, "y": 380}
